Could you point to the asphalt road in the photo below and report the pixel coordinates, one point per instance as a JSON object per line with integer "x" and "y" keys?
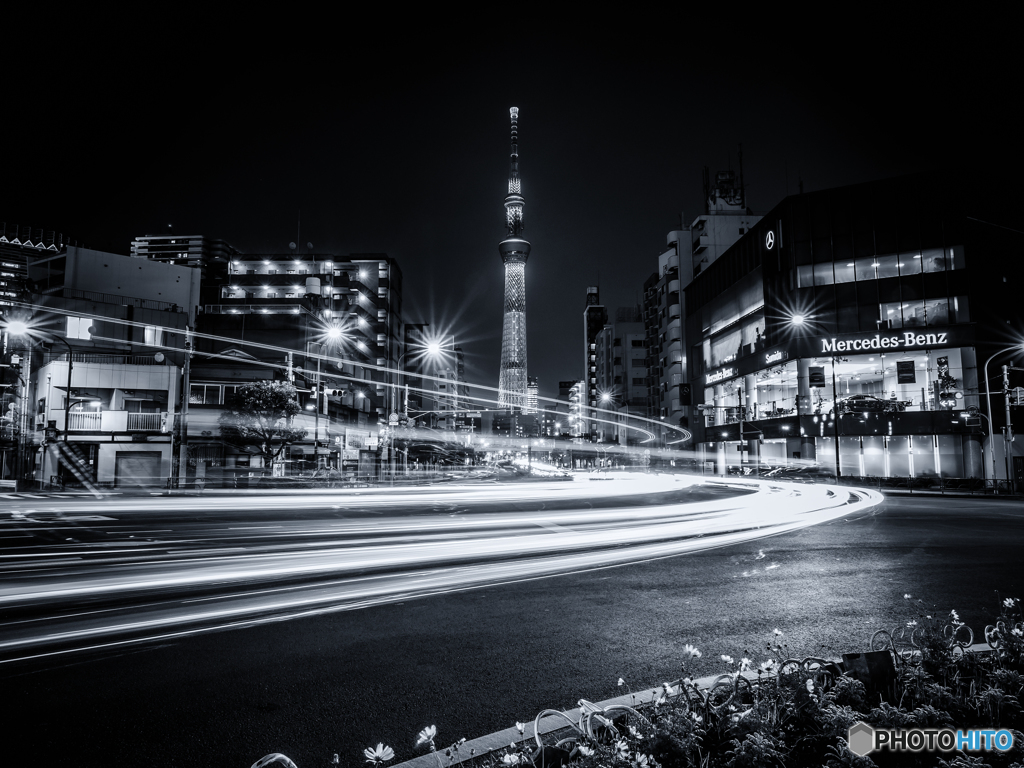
{"x": 477, "y": 661}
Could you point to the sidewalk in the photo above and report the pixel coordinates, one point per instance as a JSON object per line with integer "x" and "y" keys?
{"x": 481, "y": 746}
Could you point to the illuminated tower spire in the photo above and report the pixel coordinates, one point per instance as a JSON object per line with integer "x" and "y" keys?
{"x": 514, "y": 252}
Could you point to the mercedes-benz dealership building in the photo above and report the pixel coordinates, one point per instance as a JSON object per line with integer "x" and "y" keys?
{"x": 853, "y": 323}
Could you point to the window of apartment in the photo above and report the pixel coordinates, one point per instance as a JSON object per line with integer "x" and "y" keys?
{"x": 154, "y": 336}
{"x": 230, "y": 392}
{"x": 204, "y": 394}
{"x": 639, "y": 381}
{"x": 637, "y": 343}
{"x": 78, "y": 328}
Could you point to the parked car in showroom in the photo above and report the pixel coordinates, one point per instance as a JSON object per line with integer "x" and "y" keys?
{"x": 863, "y": 403}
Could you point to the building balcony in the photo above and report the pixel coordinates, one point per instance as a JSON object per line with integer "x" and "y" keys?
{"x": 144, "y": 422}
{"x": 107, "y": 421}
{"x": 85, "y": 421}
{"x": 256, "y": 305}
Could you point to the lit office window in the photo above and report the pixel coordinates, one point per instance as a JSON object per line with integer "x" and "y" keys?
{"x": 154, "y": 336}
{"x": 78, "y": 328}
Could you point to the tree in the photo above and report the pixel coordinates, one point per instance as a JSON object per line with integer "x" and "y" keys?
{"x": 259, "y": 416}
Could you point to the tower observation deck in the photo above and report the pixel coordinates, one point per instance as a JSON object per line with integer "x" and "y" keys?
{"x": 514, "y": 252}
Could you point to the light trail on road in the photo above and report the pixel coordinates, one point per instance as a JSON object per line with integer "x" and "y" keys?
{"x": 240, "y": 575}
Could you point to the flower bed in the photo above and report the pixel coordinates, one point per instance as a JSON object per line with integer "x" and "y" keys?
{"x": 785, "y": 712}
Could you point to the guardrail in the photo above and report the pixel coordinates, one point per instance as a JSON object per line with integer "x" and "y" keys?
{"x": 937, "y": 486}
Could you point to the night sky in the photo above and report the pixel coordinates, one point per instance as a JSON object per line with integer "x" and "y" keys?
{"x": 398, "y": 142}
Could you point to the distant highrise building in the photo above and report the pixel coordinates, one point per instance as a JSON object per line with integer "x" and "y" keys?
{"x": 622, "y": 373}
{"x": 531, "y": 395}
{"x": 594, "y": 318}
{"x": 726, "y": 218}
{"x": 19, "y": 246}
{"x": 514, "y": 252}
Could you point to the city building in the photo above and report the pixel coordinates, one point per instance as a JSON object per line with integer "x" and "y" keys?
{"x": 850, "y": 326}
{"x": 209, "y": 255}
{"x": 577, "y": 405}
{"x": 330, "y": 325}
{"x": 726, "y": 218}
{"x": 20, "y": 245}
{"x": 105, "y": 368}
{"x": 622, "y": 374}
{"x": 689, "y": 251}
{"x": 514, "y": 252}
{"x": 594, "y": 318}
{"x": 531, "y": 395}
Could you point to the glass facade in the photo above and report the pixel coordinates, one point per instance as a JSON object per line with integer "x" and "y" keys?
{"x": 862, "y": 332}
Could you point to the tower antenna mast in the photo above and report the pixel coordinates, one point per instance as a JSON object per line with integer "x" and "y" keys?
{"x": 514, "y": 251}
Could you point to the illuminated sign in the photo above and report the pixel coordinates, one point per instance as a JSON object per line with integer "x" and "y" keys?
{"x": 769, "y": 240}
{"x": 907, "y": 340}
{"x": 725, "y": 373}
{"x": 776, "y": 357}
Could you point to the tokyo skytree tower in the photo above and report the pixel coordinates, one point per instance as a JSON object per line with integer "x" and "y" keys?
{"x": 514, "y": 252}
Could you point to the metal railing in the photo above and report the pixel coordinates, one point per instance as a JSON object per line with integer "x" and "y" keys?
{"x": 84, "y": 421}
{"x": 62, "y": 357}
{"x": 936, "y": 486}
{"x": 143, "y": 422}
{"x": 126, "y": 301}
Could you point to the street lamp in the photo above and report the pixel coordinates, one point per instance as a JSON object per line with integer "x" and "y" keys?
{"x": 799, "y": 320}
{"x": 329, "y": 337}
{"x": 432, "y": 350}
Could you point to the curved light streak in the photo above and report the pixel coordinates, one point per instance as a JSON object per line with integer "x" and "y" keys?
{"x": 686, "y": 434}
{"x": 247, "y": 574}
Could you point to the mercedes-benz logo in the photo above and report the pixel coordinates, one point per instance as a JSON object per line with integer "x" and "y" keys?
{"x": 769, "y": 239}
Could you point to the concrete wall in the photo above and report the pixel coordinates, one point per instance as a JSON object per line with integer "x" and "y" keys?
{"x": 106, "y": 465}
{"x": 100, "y": 272}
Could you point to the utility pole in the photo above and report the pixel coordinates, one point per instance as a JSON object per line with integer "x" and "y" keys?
{"x": 316, "y": 415}
{"x": 1008, "y": 429}
{"x": 183, "y": 422}
{"x": 23, "y": 416}
{"x": 743, "y": 447}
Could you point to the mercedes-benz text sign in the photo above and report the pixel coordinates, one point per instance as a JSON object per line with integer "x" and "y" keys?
{"x": 908, "y": 340}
